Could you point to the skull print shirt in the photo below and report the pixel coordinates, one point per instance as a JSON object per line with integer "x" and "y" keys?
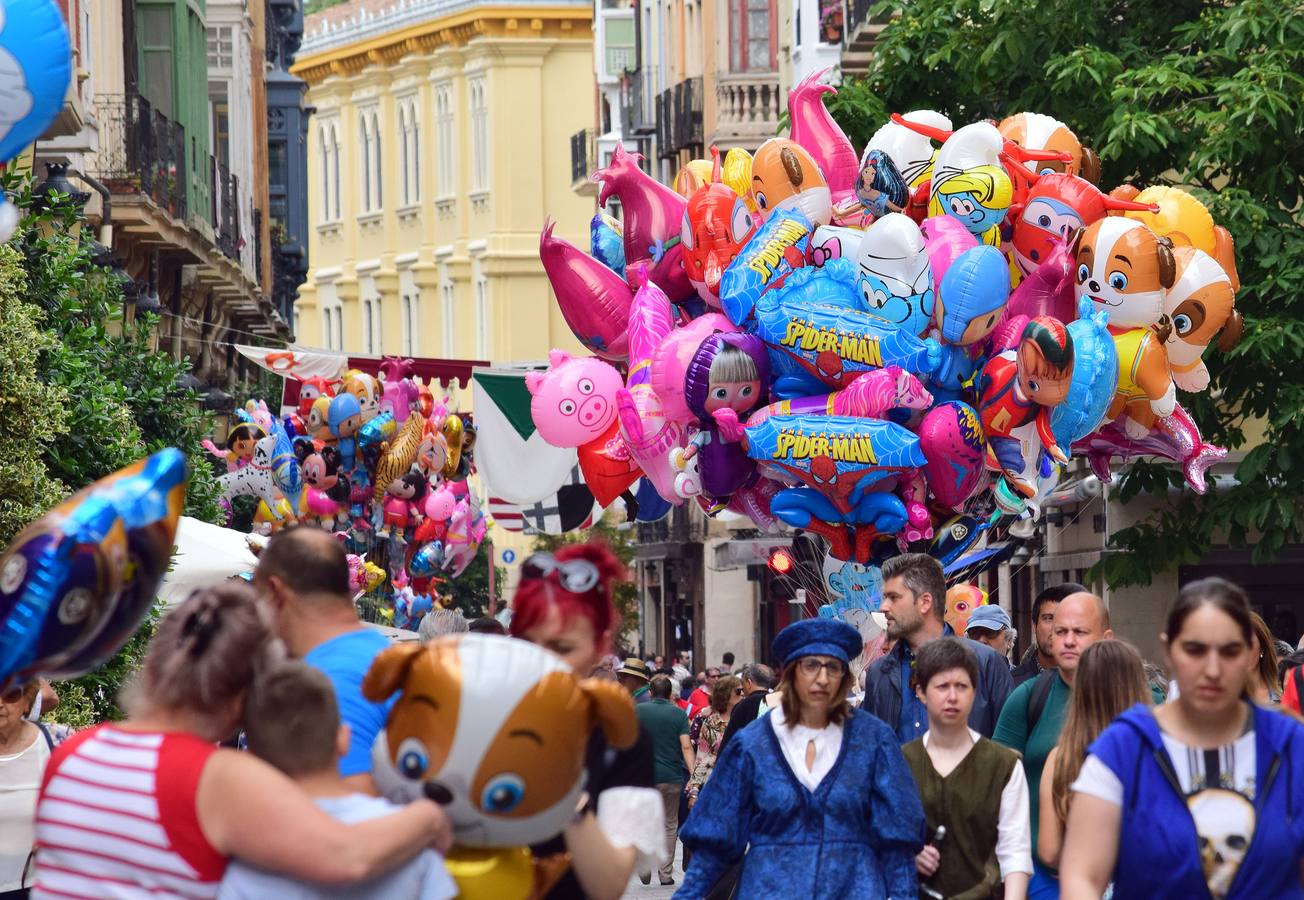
{"x": 1219, "y": 785}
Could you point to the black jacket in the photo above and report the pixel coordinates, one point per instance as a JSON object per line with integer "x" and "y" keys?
{"x": 744, "y": 713}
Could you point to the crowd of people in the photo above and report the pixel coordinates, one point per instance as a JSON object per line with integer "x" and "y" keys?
{"x": 244, "y": 766}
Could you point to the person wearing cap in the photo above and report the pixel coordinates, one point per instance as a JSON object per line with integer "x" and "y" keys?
{"x": 814, "y": 799}
{"x": 990, "y": 624}
{"x": 987, "y": 840}
{"x": 634, "y": 676}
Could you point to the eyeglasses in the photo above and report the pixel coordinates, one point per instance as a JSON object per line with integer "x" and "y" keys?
{"x": 810, "y": 666}
{"x": 578, "y": 576}
{"x": 13, "y": 695}
{"x": 738, "y": 691}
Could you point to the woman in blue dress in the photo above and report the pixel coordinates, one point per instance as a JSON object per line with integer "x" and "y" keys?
{"x": 815, "y": 799}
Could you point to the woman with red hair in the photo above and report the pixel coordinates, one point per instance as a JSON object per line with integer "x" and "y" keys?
{"x": 563, "y": 604}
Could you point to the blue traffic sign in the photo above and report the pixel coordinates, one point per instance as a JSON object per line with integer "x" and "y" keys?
{"x": 509, "y": 557}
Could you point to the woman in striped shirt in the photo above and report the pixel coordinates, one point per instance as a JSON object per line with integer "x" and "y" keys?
{"x": 151, "y": 807}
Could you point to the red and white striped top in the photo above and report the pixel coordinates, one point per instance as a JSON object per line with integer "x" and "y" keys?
{"x": 116, "y": 818}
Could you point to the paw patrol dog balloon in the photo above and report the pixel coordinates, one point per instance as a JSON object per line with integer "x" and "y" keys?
{"x": 494, "y": 730}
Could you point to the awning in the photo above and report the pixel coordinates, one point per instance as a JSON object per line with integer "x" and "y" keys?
{"x": 205, "y": 555}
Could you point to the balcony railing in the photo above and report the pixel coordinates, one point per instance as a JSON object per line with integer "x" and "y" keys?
{"x": 639, "y": 121}
{"x": 679, "y": 117}
{"x": 142, "y": 150}
{"x": 747, "y": 108}
{"x": 583, "y": 156}
{"x": 225, "y": 200}
{"x": 258, "y": 245}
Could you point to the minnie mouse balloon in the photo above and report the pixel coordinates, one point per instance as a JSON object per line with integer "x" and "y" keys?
{"x": 35, "y": 66}
{"x": 76, "y": 582}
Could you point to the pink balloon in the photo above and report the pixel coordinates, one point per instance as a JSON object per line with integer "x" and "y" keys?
{"x": 951, "y": 436}
{"x": 1048, "y": 291}
{"x": 814, "y": 129}
{"x": 671, "y": 359}
{"x": 593, "y": 299}
{"x": 945, "y": 239}
{"x": 654, "y": 218}
{"x": 648, "y": 434}
{"x": 574, "y": 402}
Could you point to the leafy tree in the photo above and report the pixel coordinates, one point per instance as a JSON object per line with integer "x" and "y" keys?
{"x": 84, "y": 396}
{"x": 622, "y": 543}
{"x": 1206, "y": 95}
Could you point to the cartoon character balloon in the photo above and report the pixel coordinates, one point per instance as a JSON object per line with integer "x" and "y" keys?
{"x": 716, "y": 226}
{"x": 911, "y": 151}
{"x": 1036, "y": 131}
{"x": 35, "y": 68}
{"x": 815, "y": 131}
{"x": 75, "y": 584}
{"x": 894, "y": 277}
{"x": 1199, "y": 304}
{"x": 785, "y": 176}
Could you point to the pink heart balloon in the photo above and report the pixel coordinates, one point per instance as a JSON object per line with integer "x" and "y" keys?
{"x": 951, "y": 436}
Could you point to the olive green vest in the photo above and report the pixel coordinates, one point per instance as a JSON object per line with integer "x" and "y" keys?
{"x": 968, "y": 803}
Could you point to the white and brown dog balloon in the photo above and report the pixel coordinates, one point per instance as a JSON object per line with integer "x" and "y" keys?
{"x": 1199, "y": 305}
{"x": 1126, "y": 270}
{"x": 495, "y": 731}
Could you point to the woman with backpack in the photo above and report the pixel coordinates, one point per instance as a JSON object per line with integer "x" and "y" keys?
{"x": 1202, "y": 796}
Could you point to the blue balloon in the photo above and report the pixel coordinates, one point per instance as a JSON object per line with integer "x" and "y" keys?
{"x": 75, "y": 583}
{"x": 427, "y": 560}
{"x": 972, "y": 294}
{"x": 35, "y": 68}
{"x": 764, "y": 262}
{"x": 652, "y": 507}
{"x": 840, "y": 457}
{"x": 607, "y": 244}
{"x": 1095, "y": 378}
{"x": 817, "y": 343}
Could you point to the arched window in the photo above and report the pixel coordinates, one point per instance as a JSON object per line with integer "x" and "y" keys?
{"x": 324, "y": 151}
{"x": 335, "y": 168}
{"x": 375, "y": 158}
{"x": 366, "y": 164}
{"x": 368, "y": 337}
{"x": 479, "y": 136}
{"x": 403, "y": 152}
{"x": 414, "y": 153}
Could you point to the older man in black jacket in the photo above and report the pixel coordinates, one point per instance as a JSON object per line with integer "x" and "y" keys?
{"x": 914, "y": 604}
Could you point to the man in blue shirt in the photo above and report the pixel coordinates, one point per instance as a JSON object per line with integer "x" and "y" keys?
{"x": 914, "y": 604}
{"x": 304, "y": 576}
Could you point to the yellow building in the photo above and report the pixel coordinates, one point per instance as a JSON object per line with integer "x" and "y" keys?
{"x": 439, "y": 144}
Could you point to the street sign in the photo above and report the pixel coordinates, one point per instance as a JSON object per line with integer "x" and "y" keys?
{"x": 509, "y": 557}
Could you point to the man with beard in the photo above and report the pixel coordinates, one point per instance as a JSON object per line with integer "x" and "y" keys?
{"x": 914, "y": 604}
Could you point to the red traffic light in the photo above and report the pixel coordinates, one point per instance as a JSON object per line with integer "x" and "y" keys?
{"x": 781, "y": 562}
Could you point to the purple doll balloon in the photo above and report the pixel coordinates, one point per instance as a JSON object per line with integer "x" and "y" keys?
{"x": 725, "y": 380}
{"x": 653, "y": 222}
{"x": 594, "y": 300}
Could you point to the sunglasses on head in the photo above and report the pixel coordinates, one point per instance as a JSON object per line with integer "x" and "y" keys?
{"x": 578, "y": 576}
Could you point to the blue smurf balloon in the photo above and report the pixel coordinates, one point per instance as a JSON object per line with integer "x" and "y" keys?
{"x": 35, "y": 68}
{"x": 1095, "y": 378}
{"x": 774, "y": 251}
{"x": 75, "y": 584}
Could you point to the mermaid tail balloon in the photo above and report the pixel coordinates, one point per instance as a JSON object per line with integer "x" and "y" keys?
{"x": 1175, "y": 437}
{"x": 870, "y": 396}
{"x": 814, "y": 129}
{"x": 654, "y": 215}
{"x": 593, "y": 299}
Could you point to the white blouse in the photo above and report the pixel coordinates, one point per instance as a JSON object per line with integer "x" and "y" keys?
{"x": 795, "y": 740}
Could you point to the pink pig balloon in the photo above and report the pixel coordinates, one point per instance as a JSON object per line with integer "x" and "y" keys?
{"x": 814, "y": 129}
{"x": 654, "y": 216}
{"x": 593, "y": 299}
{"x": 951, "y": 436}
{"x": 945, "y": 238}
{"x": 574, "y": 402}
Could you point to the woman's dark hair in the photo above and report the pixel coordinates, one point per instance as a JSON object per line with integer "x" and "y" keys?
{"x": 1221, "y": 594}
{"x": 942, "y": 655}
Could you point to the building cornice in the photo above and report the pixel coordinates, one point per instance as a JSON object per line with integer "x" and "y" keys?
{"x": 409, "y": 28}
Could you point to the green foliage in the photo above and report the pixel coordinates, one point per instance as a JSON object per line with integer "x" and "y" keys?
{"x": 1205, "y": 95}
{"x": 622, "y": 543}
{"x": 94, "y": 697}
{"x": 84, "y": 396}
{"x": 469, "y": 592}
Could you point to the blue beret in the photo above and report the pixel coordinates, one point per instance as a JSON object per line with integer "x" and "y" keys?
{"x": 818, "y": 637}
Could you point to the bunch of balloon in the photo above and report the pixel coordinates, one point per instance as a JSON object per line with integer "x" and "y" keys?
{"x": 897, "y": 349}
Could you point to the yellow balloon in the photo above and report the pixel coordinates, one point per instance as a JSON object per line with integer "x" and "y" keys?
{"x": 692, "y": 176}
{"x": 491, "y": 873}
{"x": 738, "y": 175}
{"x": 452, "y": 434}
{"x": 1187, "y": 223}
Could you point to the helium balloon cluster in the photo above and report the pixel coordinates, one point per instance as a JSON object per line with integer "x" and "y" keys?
{"x": 376, "y": 460}
{"x": 893, "y": 348}
{"x": 76, "y": 583}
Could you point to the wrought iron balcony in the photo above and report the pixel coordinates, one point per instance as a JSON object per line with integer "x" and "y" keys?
{"x": 679, "y": 117}
{"x": 638, "y": 119}
{"x": 225, "y": 209}
{"x": 142, "y": 150}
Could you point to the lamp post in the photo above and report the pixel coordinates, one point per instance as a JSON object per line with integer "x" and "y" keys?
{"x": 220, "y": 403}
{"x": 56, "y": 181}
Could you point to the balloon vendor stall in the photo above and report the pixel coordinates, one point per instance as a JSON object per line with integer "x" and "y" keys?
{"x": 371, "y": 450}
{"x": 898, "y": 347}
